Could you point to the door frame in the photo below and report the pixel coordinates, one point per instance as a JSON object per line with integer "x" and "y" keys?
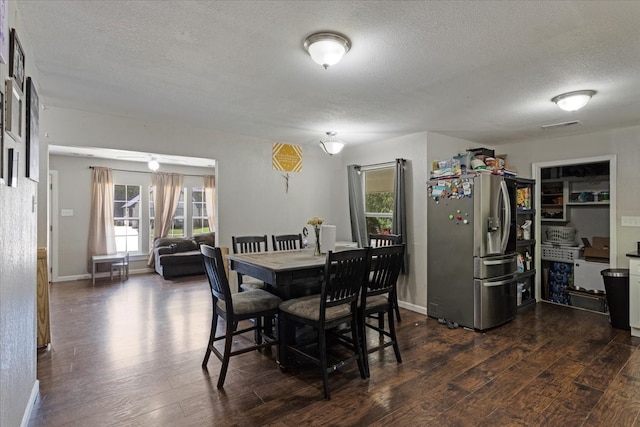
{"x": 53, "y": 224}
{"x": 613, "y": 215}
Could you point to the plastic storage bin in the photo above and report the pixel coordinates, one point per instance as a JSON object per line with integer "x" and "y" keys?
{"x": 616, "y": 284}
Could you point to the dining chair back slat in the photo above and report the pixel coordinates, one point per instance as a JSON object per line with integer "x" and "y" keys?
{"x": 249, "y": 244}
{"x": 245, "y": 245}
{"x": 380, "y": 240}
{"x": 215, "y": 271}
{"x": 377, "y": 240}
{"x": 287, "y": 242}
{"x": 344, "y": 274}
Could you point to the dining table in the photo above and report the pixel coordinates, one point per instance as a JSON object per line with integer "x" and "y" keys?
{"x": 287, "y": 274}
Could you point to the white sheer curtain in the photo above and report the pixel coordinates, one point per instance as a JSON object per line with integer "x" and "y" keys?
{"x": 210, "y": 200}
{"x": 166, "y": 196}
{"x": 102, "y": 239}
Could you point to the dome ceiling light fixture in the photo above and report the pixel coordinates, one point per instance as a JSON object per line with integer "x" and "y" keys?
{"x": 573, "y": 101}
{"x": 331, "y": 146}
{"x": 153, "y": 164}
{"x": 327, "y": 48}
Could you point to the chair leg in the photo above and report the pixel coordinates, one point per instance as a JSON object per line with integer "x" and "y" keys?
{"x": 357, "y": 344}
{"x": 226, "y": 355}
{"x": 258, "y": 331}
{"x": 212, "y": 335}
{"x": 362, "y": 326}
{"x": 394, "y": 338}
{"x": 322, "y": 347}
{"x": 396, "y": 307}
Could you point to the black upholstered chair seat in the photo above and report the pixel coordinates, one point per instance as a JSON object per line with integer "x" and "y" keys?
{"x": 253, "y": 301}
{"x": 376, "y": 301}
{"x": 309, "y": 308}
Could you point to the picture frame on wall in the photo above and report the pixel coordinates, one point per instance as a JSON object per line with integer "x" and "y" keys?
{"x": 4, "y": 32}
{"x": 16, "y": 60}
{"x": 13, "y": 165}
{"x": 13, "y": 111}
{"x": 32, "y": 133}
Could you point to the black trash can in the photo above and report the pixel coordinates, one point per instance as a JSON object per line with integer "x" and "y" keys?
{"x": 616, "y": 285}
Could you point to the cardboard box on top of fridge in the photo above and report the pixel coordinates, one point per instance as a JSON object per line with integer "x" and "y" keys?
{"x": 598, "y": 251}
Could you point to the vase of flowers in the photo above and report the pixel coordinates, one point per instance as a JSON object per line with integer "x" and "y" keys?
{"x": 316, "y": 222}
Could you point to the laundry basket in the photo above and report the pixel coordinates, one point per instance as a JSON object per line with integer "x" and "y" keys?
{"x": 558, "y": 234}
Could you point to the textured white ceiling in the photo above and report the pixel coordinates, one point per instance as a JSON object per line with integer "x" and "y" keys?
{"x": 483, "y": 71}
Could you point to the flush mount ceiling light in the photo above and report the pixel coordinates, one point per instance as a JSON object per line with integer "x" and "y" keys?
{"x": 331, "y": 146}
{"x": 573, "y": 101}
{"x": 153, "y": 165}
{"x": 327, "y": 48}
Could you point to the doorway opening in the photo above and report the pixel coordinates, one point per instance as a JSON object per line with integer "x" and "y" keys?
{"x": 577, "y": 209}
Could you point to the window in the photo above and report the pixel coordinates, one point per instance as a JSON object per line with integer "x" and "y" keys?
{"x": 177, "y": 225}
{"x": 378, "y": 199}
{"x": 199, "y": 220}
{"x": 126, "y": 217}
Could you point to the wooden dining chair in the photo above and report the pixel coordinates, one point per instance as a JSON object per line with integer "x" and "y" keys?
{"x": 376, "y": 300}
{"x": 256, "y": 304}
{"x": 287, "y": 242}
{"x": 345, "y": 273}
{"x": 244, "y": 245}
{"x": 377, "y": 240}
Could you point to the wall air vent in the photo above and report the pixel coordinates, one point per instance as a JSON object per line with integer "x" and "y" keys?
{"x": 561, "y": 125}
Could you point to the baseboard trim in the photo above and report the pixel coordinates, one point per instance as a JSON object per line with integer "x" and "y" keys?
{"x": 99, "y": 275}
{"x": 32, "y": 400}
{"x": 413, "y": 307}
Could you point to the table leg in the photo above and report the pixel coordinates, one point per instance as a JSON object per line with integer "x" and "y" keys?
{"x": 93, "y": 272}
{"x": 286, "y": 331}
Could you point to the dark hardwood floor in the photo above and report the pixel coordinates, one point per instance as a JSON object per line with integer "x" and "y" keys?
{"x": 129, "y": 354}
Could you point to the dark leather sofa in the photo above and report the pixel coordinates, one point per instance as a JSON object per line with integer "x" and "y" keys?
{"x": 180, "y": 256}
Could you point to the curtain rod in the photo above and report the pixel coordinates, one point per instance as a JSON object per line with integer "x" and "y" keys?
{"x": 380, "y": 165}
{"x": 126, "y": 170}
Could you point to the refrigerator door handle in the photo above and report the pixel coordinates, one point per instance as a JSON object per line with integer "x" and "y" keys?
{"x": 500, "y": 282}
{"x": 499, "y": 262}
{"x": 506, "y": 224}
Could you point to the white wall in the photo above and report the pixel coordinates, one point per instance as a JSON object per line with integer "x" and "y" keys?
{"x": 420, "y": 149}
{"x": 413, "y": 148}
{"x": 18, "y": 247}
{"x": 251, "y": 195}
{"x": 622, "y": 142}
{"x": 74, "y": 193}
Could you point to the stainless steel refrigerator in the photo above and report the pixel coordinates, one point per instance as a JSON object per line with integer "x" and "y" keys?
{"x": 471, "y": 252}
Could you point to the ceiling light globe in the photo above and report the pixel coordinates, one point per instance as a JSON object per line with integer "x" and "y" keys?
{"x": 573, "y": 101}
{"x": 331, "y": 146}
{"x": 153, "y": 165}
{"x": 326, "y": 52}
{"x": 327, "y": 49}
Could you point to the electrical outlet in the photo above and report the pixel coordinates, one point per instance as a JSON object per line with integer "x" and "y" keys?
{"x": 630, "y": 221}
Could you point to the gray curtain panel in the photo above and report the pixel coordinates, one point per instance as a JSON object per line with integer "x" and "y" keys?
{"x": 356, "y": 206}
{"x": 400, "y": 209}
